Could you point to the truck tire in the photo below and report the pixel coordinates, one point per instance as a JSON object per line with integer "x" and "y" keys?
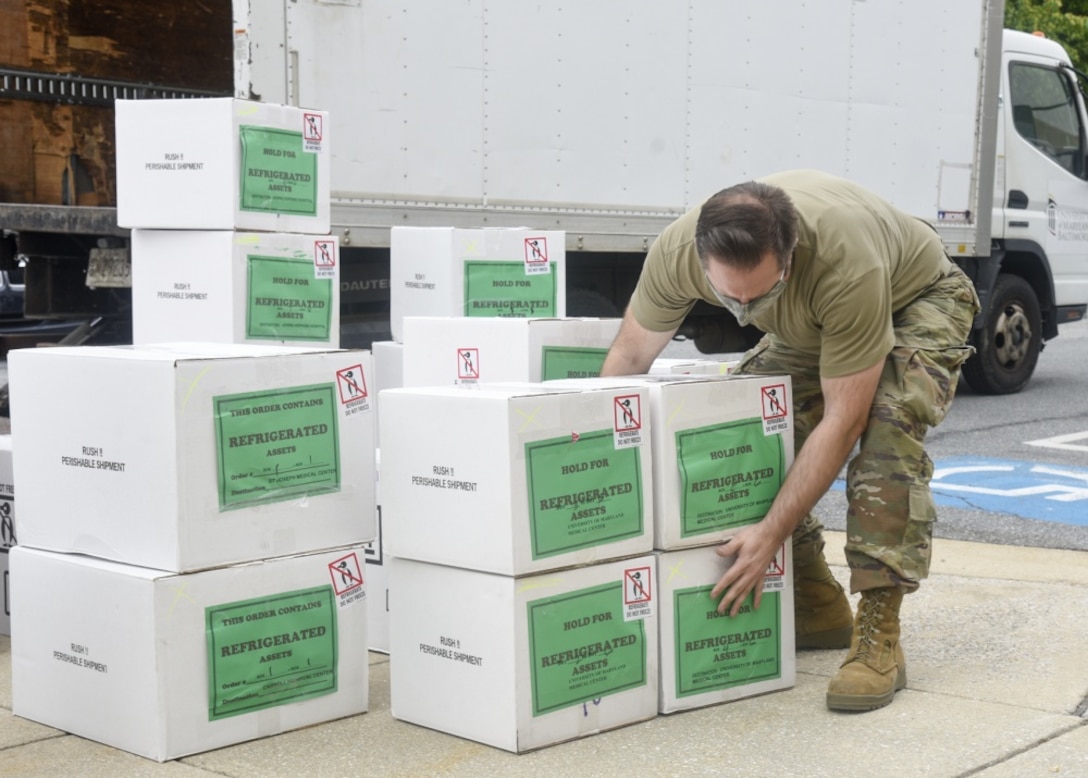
{"x": 1007, "y": 346}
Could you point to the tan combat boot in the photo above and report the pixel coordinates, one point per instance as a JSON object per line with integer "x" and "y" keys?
{"x": 822, "y": 616}
{"x": 874, "y": 669}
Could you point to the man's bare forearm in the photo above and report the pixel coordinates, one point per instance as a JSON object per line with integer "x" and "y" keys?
{"x": 634, "y": 349}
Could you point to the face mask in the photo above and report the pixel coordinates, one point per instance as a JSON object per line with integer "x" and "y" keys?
{"x": 746, "y": 312}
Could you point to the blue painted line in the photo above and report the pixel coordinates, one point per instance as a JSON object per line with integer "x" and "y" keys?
{"x": 1031, "y": 490}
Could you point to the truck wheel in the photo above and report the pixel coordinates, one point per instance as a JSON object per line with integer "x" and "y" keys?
{"x": 1008, "y": 344}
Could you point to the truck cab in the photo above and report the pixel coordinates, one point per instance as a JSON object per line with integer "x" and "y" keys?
{"x": 1038, "y": 274}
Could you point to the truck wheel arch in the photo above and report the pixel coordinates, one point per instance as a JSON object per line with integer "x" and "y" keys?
{"x": 1017, "y": 316}
{"x": 1027, "y": 259}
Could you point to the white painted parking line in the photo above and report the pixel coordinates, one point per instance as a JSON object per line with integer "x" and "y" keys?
{"x": 1064, "y": 442}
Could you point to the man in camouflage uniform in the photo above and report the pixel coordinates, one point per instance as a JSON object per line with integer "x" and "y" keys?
{"x": 869, "y": 317}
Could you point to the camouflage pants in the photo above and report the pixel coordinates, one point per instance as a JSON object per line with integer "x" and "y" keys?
{"x": 889, "y": 521}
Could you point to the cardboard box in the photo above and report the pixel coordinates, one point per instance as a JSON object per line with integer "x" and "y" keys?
{"x": 721, "y": 449}
{"x": 165, "y": 665}
{"x": 235, "y": 287}
{"x": 516, "y": 479}
{"x": 388, "y": 372}
{"x": 722, "y": 366}
{"x": 526, "y": 662}
{"x": 377, "y": 568}
{"x": 377, "y": 581}
{"x": 445, "y": 271}
{"x": 443, "y": 351}
{"x": 679, "y": 366}
{"x": 222, "y": 164}
{"x": 707, "y": 658}
{"x": 186, "y": 456}
{"x": 7, "y": 528}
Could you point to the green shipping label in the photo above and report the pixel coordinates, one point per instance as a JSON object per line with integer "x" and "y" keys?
{"x": 285, "y": 301}
{"x": 277, "y": 176}
{"x": 503, "y": 289}
{"x": 569, "y": 362}
{"x": 582, "y": 494}
{"x": 581, "y": 649}
{"x": 276, "y": 445}
{"x": 270, "y": 650}
{"x": 729, "y": 475}
{"x": 715, "y": 652}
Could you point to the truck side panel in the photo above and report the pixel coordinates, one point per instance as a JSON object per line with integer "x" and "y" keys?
{"x": 600, "y": 113}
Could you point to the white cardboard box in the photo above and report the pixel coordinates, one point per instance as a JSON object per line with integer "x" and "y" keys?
{"x": 222, "y": 164}
{"x": 377, "y": 572}
{"x": 679, "y": 366}
{"x": 164, "y": 665}
{"x": 377, "y": 582}
{"x": 721, "y": 449}
{"x": 523, "y": 663}
{"x": 516, "y": 479}
{"x": 446, "y": 271}
{"x": 7, "y": 528}
{"x": 186, "y": 456}
{"x": 235, "y": 287}
{"x": 444, "y": 351}
{"x": 707, "y": 658}
{"x": 388, "y": 372}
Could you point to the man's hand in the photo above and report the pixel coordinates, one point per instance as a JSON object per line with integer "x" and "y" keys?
{"x": 754, "y": 547}
{"x": 847, "y": 401}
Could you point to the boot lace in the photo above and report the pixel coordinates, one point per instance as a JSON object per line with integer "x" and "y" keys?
{"x": 872, "y": 605}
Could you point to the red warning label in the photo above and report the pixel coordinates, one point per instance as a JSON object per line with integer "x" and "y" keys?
{"x": 324, "y": 254}
{"x": 468, "y": 363}
{"x": 636, "y": 586}
{"x": 774, "y": 401}
{"x": 346, "y": 573}
{"x": 627, "y": 411}
{"x": 352, "y": 384}
{"x": 536, "y": 251}
{"x": 778, "y": 564}
{"x": 312, "y": 126}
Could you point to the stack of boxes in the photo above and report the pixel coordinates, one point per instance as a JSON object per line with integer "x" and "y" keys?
{"x": 526, "y": 608}
{"x": 721, "y": 449}
{"x": 229, "y": 204}
{"x": 523, "y": 593}
{"x": 477, "y": 306}
{"x": 518, "y": 516}
{"x": 195, "y": 506}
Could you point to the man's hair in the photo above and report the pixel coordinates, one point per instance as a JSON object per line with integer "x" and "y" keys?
{"x": 740, "y": 224}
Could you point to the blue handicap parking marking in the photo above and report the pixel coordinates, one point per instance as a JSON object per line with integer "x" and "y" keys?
{"x": 1030, "y": 490}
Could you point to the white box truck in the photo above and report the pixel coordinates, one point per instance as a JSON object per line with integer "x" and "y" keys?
{"x": 608, "y": 119}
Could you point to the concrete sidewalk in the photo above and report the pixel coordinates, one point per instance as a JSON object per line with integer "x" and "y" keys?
{"x": 997, "y": 654}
